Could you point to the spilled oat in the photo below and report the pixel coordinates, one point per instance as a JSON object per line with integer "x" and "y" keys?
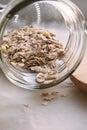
{"x": 35, "y": 49}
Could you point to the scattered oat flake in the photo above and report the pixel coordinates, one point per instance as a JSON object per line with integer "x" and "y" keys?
{"x": 26, "y": 105}
{"x": 45, "y": 103}
{"x": 63, "y": 95}
{"x": 47, "y": 97}
{"x": 13, "y": 64}
{"x": 54, "y": 93}
{"x": 3, "y": 48}
{"x": 40, "y": 78}
{"x": 45, "y": 94}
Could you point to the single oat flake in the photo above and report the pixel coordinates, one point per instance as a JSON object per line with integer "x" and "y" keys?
{"x": 35, "y": 49}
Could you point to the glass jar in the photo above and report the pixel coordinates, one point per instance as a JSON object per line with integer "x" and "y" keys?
{"x": 59, "y": 16}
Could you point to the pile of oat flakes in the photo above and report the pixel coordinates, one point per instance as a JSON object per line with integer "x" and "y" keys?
{"x": 35, "y": 49}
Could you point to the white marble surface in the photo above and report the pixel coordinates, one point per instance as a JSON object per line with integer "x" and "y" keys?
{"x": 63, "y": 113}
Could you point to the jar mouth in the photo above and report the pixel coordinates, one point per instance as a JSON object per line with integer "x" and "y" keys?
{"x": 64, "y": 18}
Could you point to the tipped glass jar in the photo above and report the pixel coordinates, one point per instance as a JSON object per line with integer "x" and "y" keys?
{"x": 61, "y": 17}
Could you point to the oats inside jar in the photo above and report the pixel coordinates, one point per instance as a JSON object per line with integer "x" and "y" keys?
{"x": 34, "y": 49}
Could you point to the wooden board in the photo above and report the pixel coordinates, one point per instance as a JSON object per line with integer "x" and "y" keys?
{"x": 79, "y": 77}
